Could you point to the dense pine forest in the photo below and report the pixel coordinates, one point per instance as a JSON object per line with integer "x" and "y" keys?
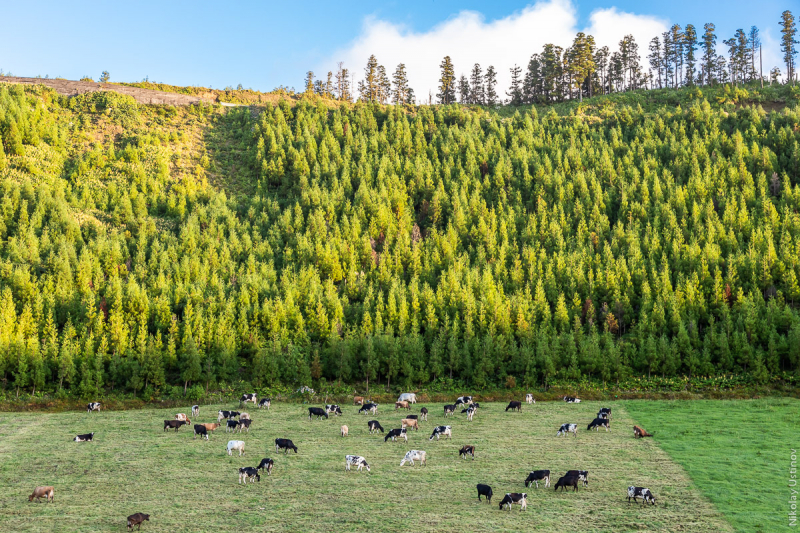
{"x": 155, "y": 250}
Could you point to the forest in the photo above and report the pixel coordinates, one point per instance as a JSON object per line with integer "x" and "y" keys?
{"x": 149, "y": 248}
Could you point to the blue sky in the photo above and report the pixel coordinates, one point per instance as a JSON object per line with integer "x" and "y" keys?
{"x": 263, "y": 44}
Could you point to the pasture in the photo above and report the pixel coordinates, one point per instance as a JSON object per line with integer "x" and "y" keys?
{"x": 192, "y": 485}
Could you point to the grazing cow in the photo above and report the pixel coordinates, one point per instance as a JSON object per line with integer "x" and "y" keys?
{"x": 318, "y": 412}
{"x": 409, "y": 397}
{"x": 333, "y": 409}
{"x": 94, "y": 406}
{"x": 640, "y": 433}
{"x": 244, "y": 423}
{"x": 409, "y": 423}
{"x": 182, "y": 416}
{"x": 536, "y": 476}
{"x": 597, "y": 423}
{"x": 415, "y": 455}
{"x": 232, "y": 425}
{"x": 235, "y": 445}
{"x": 266, "y": 465}
{"x": 412, "y": 417}
{"x": 605, "y": 412}
{"x": 485, "y": 490}
{"x": 248, "y": 472}
{"x": 394, "y": 433}
{"x": 567, "y": 481}
{"x": 449, "y": 410}
{"x": 358, "y": 400}
{"x": 202, "y": 430}
{"x": 568, "y": 428}
{"x": 401, "y": 405}
{"x": 571, "y": 399}
{"x": 345, "y": 431}
{"x": 645, "y": 494}
{"x": 515, "y": 497}
{"x": 355, "y": 460}
{"x": 438, "y": 431}
{"x": 48, "y": 493}
{"x": 86, "y": 437}
{"x": 374, "y": 426}
{"x": 174, "y": 424}
{"x": 136, "y": 520}
{"x": 514, "y": 406}
{"x": 467, "y": 450}
{"x": 463, "y": 399}
{"x": 424, "y": 413}
{"x": 265, "y": 402}
{"x": 285, "y": 445}
{"x": 471, "y": 410}
{"x": 248, "y": 398}
{"x": 211, "y": 426}
{"x": 244, "y": 416}
{"x": 369, "y": 407}
{"x": 583, "y": 475}
{"x": 227, "y": 414}
{"x": 195, "y": 410}
{"x": 529, "y": 398}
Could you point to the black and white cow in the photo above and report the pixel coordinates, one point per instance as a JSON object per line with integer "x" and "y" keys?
{"x": 333, "y": 409}
{"x": 571, "y": 399}
{"x": 438, "y": 431}
{"x": 316, "y": 411}
{"x": 368, "y": 407}
{"x": 529, "y": 398}
{"x": 597, "y": 423}
{"x": 464, "y": 399}
{"x": 515, "y": 497}
{"x": 94, "y": 406}
{"x": 605, "y": 412}
{"x": 226, "y": 414}
{"x": 248, "y": 398}
{"x": 567, "y": 481}
{"x": 231, "y": 426}
{"x": 174, "y": 424}
{"x": 484, "y": 490}
{"x": 424, "y": 413}
{"x": 244, "y": 424}
{"x": 195, "y": 410}
{"x": 536, "y": 476}
{"x": 470, "y": 411}
{"x": 200, "y": 429}
{"x": 355, "y": 460}
{"x": 265, "y": 402}
{"x": 374, "y": 426}
{"x": 285, "y": 445}
{"x": 266, "y": 465}
{"x": 640, "y": 492}
{"x": 467, "y": 450}
{"x": 248, "y": 472}
{"x": 86, "y": 437}
{"x": 514, "y": 406}
{"x": 583, "y": 475}
{"x": 449, "y": 410}
{"x": 567, "y": 429}
{"x": 394, "y": 433}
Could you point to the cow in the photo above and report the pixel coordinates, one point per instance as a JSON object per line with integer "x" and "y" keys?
{"x": 358, "y": 400}
{"x": 467, "y": 450}
{"x": 571, "y": 399}
{"x": 605, "y": 412}
{"x": 345, "y": 431}
{"x": 409, "y": 423}
{"x": 333, "y": 409}
{"x": 449, "y": 410}
{"x": 514, "y": 406}
{"x": 235, "y": 445}
{"x": 285, "y": 445}
{"x": 200, "y": 429}
{"x": 265, "y": 402}
{"x": 640, "y": 433}
{"x": 412, "y": 417}
{"x": 438, "y": 431}
{"x": 471, "y": 410}
{"x": 195, "y": 410}
{"x": 394, "y": 433}
{"x": 248, "y": 472}
{"x": 248, "y": 398}
{"x": 136, "y": 520}
{"x": 401, "y": 405}
{"x": 374, "y": 426}
{"x": 567, "y": 481}
{"x": 231, "y": 426}
{"x": 597, "y": 423}
{"x": 355, "y": 460}
{"x": 409, "y": 397}
{"x": 174, "y": 424}
{"x": 568, "y": 428}
{"x": 182, "y": 416}
{"x": 415, "y": 455}
{"x": 266, "y": 465}
{"x": 515, "y": 497}
{"x": 318, "y": 412}
{"x": 244, "y": 416}
{"x": 529, "y": 398}
{"x": 244, "y": 423}
{"x": 86, "y": 437}
{"x": 463, "y": 399}
{"x": 484, "y": 490}
{"x": 48, "y": 493}
{"x": 226, "y": 415}
{"x": 93, "y": 406}
{"x": 645, "y": 494}
{"x": 424, "y": 413}
{"x": 536, "y": 476}
{"x": 369, "y": 407}
{"x": 583, "y": 475}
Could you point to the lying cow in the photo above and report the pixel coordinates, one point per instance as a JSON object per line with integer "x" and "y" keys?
{"x": 568, "y": 428}
{"x": 529, "y": 398}
{"x": 467, "y": 450}
{"x": 285, "y": 445}
{"x": 333, "y": 409}
{"x": 235, "y": 445}
{"x": 247, "y": 398}
{"x": 136, "y": 520}
{"x": 484, "y": 490}
{"x": 536, "y": 476}
{"x": 394, "y": 433}
{"x": 174, "y": 424}
{"x": 567, "y": 481}
{"x": 355, "y": 460}
{"x": 571, "y": 399}
{"x": 409, "y": 397}
{"x": 438, "y": 431}
{"x": 645, "y": 494}
{"x": 409, "y": 423}
{"x": 515, "y": 497}
{"x": 597, "y": 423}
{"x": 583, "y": 475}
{"x": 265, "y": 402}
{"x": 415, "y": 455}
{"x": 514, "y": 406}
{"x": 369, "y": 407}
{"x": 424, "y": 413}
{"x": 248, "y": 472}
{"x": 266, "y": 465}
{"x": 374, "y": 426}
{"x": 318, "y": 412}
{"x": 202, "y": 430}
{"x": 86, "y": 437}
{"x": 640, "y": 433}
{"x": 48, "y": 493}
{"x": 94, "y": 406}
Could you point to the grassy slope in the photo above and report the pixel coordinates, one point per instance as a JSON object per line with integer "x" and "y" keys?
{"x": 736, "y": 452}
{"x": 191, "y": 485}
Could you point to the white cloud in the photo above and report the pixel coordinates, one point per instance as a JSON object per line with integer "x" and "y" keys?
{"x": 468, "y": 39}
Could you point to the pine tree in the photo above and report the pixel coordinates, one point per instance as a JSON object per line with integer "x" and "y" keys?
{"x": 463, "y": 89}
{"x": 690, "y": 45}
{"x": 582, "y": 61}
{"x": 309, "y": 82}
{"x": 400, "y": 82}
{"x": 369, "y": 89}
{"x": 3, "y": 159}
{"x": 447, "y": 82}
{"x": 709, "y": 54}
{"x": 788, "y": 42}
{"x": 490, "y": 82}
{"x": 754, "y": 43}
{"x": 515, "y": 91}
{"x": 656, "y": 62}
{"x": 190, "y": 362}
{"x": 476, "y": 93}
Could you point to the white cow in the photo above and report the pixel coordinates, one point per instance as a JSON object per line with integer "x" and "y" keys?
{"x": 414, "y": 455}
{"x": 235, "y": 445}
{"x": 409, "y": 397}
{"x": 195, "y": 410}
{"x": 529, "y": 398}
{"x": 355, "y": 460}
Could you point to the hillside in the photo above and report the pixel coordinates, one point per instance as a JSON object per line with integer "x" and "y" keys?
{"x": 152, "y": 248}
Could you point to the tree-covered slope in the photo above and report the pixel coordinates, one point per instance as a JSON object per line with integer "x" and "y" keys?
{"x": 144, "y": 246}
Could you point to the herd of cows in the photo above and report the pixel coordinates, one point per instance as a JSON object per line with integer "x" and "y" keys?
{"x": 236, "y": 421}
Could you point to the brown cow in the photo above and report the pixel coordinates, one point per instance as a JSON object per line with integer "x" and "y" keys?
{"x": 358, "y": 400}
{"x": 401, "y": 405}
{"x": 409, "y": 423}
{"x": 42, "y": 492}
{"x": 638, "y": 432}
{"x": 210, "y": 427}
{"x": 345, "y": 431}
{"x": 137, "y": 519}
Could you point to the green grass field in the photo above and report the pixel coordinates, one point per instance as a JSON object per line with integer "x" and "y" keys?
{"x": 192, "y": 485}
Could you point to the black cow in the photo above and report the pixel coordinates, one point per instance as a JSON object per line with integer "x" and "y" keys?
{"x": 136, "y": 520}
{"x": 248, "y": 472}
{"x": 333, "y": 409}
{"x": 605, "y": 412}
{"x": 412, "y": 417}
{"x": 316, "y": 411}
{"x": 265, "y": 402}
{"x": 514, "y": 406}
{"x": 94, "y": 406}
{"x": 374, "y": 426}
{"x": 583, "y": 475}
{"x": 645, "y": 494}
{"x": 266, "y": 465}
{"x": 173, "y": 424}
{"x": 201, "y": 430}
{"x": 485, "y": 490}
{"x": 515, "y": 497}
{"x": 86, "y": 437}
{"x": 368, "y": 407}
{"x": 598, "y": 423}
{"x": 567, "y": 481}
{"x": 244, "y": 424}
{"x": 467, "y": 450}
{"x": 232, "y": 425}
{"x": 536, "y": 476}
{"x": 449, "y": 410}
{"x": 394, "y": 433}
{"x": 424, "y": 413}
{"x": 285, "y": 445}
